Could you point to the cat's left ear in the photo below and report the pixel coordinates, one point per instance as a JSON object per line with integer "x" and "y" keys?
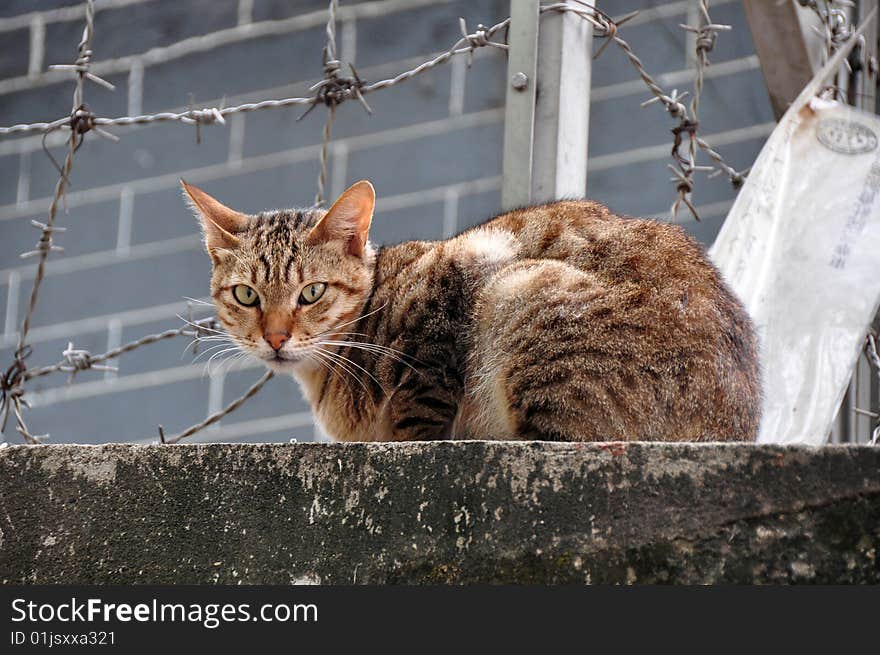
{"x": 349, "y": 218}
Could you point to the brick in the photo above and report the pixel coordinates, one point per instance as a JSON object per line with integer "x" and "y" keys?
{"x": 161, "y": 215}
{"x": 422, "y": 31}
{"x": 659, "y": 44}
{"x": 635, "y": 189}
{"x": 16, "y": 53}
{"x": 242, "y": 67}
{"x": 144, "y": 152}
{"x": 614, "y": 187}
{"x": 456, "y": 156}
{"x": 158, "y": 24}
{"x": 486, "y": 81}
{"x": 125, "y": 416}
{"x": 477, "y": 208}
{"x": 423, "y": 98}
{"x": 17, "y": 7}
{"x": 276, "y": 130}
{"x": 122, "y": 286}
{"x": 290, "y": 185}
{"x": 422, "y": 223}
{"x": 622, "y": 7}
{"x": 46, "y": 103}
{"x": 621, "y": 124}
{"x": 278, "y": 9}
{"x": 731, "y": 102}
{"x": 9, "y": 170}
{"x": 738, "y": 41}
{"x": 4, "y": 294}
{"x": 734, "y": 101}
{"x": 90, "y": 228}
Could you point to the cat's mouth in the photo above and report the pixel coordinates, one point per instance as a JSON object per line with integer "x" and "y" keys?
{"x": 283, "y": 361}
{"x": 279, "y": 357}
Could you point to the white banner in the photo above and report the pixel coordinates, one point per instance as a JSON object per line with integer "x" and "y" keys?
{"x": 801, "y": 248}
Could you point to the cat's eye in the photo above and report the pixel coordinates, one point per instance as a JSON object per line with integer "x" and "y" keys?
{"x": 312, "y": 292}
{"x": 245, "y": 295}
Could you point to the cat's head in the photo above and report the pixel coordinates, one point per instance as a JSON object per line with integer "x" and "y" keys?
{"x": 284, "y": 281}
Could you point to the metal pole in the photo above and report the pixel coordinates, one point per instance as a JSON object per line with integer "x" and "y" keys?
{"x": 562, "y": 115}
{"x": 548, "y": 105}
{"x": 519, "y": 111}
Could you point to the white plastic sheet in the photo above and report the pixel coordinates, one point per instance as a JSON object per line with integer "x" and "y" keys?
{"x": 801, "y": 248}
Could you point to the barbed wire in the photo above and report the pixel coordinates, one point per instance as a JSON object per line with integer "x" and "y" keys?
{"x": 74, "y": 361}
{"x": 11, "y": 384}
{"x": 216, "y": 416}
{"x": 333, "y": 89}
{"x": 706, "y": 34}
{"x": 328, "y": 91}
{"x": 836, "y": 27}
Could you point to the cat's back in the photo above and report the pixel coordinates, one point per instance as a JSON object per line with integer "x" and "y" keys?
{"x": 620, "y": 251}
{"x": 615, "y": 248}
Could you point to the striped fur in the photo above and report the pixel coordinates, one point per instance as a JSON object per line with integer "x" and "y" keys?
{"x": 560, "y": 322}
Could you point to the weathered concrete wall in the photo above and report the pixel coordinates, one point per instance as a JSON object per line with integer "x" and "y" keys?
{"x": 439, "y": 512}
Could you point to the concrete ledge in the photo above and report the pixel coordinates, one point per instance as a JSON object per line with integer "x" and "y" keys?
{"x": 439, "y": 512}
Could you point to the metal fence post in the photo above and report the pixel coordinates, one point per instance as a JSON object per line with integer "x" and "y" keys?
{"x": 548, "y": 105}
{"x": 562, "y": 115}
{"x": 519, "y": 105}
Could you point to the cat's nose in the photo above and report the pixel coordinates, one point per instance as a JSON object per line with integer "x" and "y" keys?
{"x": 276, "y": 339}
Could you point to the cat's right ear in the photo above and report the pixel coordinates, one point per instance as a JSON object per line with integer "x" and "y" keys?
{"x": 348, "y": 220}
{"x": 219, "y": 223}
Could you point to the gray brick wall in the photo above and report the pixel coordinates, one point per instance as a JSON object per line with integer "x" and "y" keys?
{"x": 432, "y": 148}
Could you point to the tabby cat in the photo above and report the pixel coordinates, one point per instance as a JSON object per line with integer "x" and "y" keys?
{"x": 558, "y": 322}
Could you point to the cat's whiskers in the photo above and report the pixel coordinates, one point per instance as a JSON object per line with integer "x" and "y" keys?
{"x": 198, "y": 301}
{"x": 202, "y": 353}
{"x": 221, "y": 340}
{"x": 378, "y": 309}
{"x": 231, "y": 361}
{"x": 334, "y": 363}
{"x": 376, "y": 349}
{"x": 232, "y": 348}
{"x": 356, "y": 334}
{"x": 353, "y": 363}
{"x": 311, "y": 356}
{"x": 200, "y": 328}
{"x": 348, "y": 363}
